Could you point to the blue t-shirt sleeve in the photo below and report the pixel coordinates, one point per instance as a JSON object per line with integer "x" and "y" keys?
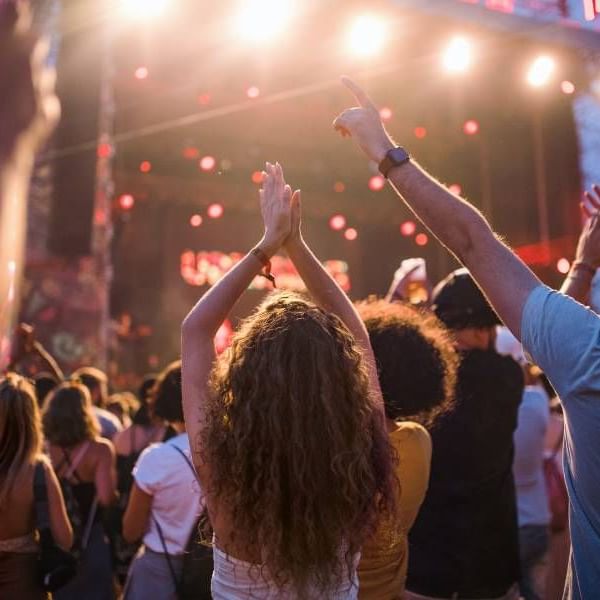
{"x": 563, "y": 338}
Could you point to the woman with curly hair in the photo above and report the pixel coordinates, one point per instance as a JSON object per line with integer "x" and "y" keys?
{"x": 417, "y": 364}
{"x": 85, "y": 462}
{"x": 21, "y": 461}
{"x": 287, "y": 430}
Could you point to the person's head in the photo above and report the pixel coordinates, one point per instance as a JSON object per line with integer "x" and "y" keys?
{"x": 44, "y": 383}
{"x": 20, "y": 430}
{"x": 295, "y": 443}
{"x": 416, "y": 360}
{"x": 96, "y": 382}
{"x": 68, "y": 417}
{"x": 143, "y": 414}
{"x": 166, "y": 403}
{"x": 459, "y": 303}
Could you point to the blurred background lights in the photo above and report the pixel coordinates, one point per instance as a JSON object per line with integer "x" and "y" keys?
{"x": 252, "y": 92}
{"x": 262, "y": 20}
{"x": 457, "y": 56}
{"x": 257, "y": 177}
{"x": 385, "y": 113}
{"x": 455, "y": 188}
{"x": 350, "y": 234}
{"x": 195, "y": 220}
{"x": 376, "y": 183}
{"x": 207, "y": 163}
{"x": 367, "y": 35}
{"x": 408, "y": 228}
{"x": 339, "y": 187}
{"x": 145, "y": 166}
{"x": 420, "y": 132}
{"x": 141, "y": 73}
{"x": 563, "y": 266}
{"x": 204, "y": 99}
{"x": 215, "y": 211}
{"x": 567, "y": 87}
{"x": 421, "y": 239}
{"x": 337, "y": 222}
{"x": 471, "y": 127}
{"x": 190, "y": 152}
{"x": 126, "y": 201}
{"x": 143, "y": 9}
{"x": 541, "y": 70}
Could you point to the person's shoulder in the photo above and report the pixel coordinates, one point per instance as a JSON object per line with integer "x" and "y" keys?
{"x": 409, "y": 432}
{"x": 106, "y": 416}
{"x": 102, "y": 448}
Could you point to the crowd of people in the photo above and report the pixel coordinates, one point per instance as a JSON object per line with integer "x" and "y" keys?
{"x": 335, "y": 450}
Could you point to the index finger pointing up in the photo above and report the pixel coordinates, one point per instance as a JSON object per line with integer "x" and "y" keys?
{"x": 359, "y": 94}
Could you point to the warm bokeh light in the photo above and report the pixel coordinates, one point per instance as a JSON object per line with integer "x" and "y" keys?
{"x": 421, "y": 239}
{"x": 385, "y": 113}
{"x": 367, "y": 35}
{"x": 567, "y": 87}
{"x": 195, "y": 220}
{"x": 471, "y": 127}
{"x": 190, "y": 152}
{"x": 455, "y": 188}
{"x": 145, "y": 166}
{"x": 141, "y": 73}
{"x": 261, "y": 21}
{"x": 350, "y": 234}
{"x": 457, "y": 56}
{"x": 563, "y": 265}
{"x": 337, "y": 222}
{"x": 257, "y": 177}
{"x": 252, "y": 92}
{"x": 420, "y": 132}
{"x": 339, "y": 187}
{"x": 143, "y": 9}
{"x": 408, "y": 228}
{"x": 204, "y": 99}
{"x": 215, "y": 211}
{"x": 126, "y": 201}
{"x": 376, "y": 183}
{"x": 104, "y": 150}
{"x": 541, "y": 70}
{"x": 207, "y": 163}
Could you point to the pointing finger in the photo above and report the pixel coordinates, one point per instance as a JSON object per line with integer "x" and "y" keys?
{"x": 360, "y": 95}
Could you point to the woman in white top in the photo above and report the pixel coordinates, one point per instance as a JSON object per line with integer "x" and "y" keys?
{"x": 165, "y": 501}
{"x": 288, "y": 432}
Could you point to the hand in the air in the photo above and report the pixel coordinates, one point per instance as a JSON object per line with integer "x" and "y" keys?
{"x": 275, "y": 206}
{"x": 588, "y": 248}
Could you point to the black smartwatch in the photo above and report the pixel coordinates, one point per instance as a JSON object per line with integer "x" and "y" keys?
{"x": 394, "y": 158}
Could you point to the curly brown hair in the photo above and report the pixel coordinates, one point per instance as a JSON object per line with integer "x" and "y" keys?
{"x": 296, "y": 446}
{"x": 416, "y": 360}
{"x": 68, "y": 416}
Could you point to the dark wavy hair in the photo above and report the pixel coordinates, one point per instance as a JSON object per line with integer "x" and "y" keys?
{"x": 167, "y": 394}
{"x": 68, "y": 417}
{"x": 295, "y": 444}
{"x": 416, "y": 361}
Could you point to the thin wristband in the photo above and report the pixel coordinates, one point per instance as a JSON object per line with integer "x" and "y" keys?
{"x": 266, "y": 263}
{"x": 584, "y": 267}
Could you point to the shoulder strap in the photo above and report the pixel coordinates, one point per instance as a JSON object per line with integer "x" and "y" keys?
{"x": 176, "y": 583}
{"x": 40, "y": 498}
{"x": 187, "y": 460}
{"x": 72, "y": 470}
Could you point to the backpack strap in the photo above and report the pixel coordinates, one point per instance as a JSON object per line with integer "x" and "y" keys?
{"x": 187, "y": 460}
{"x": 40, "y": 498}
{"x": 176, "y": 582}
{"x": 73, "y": 464}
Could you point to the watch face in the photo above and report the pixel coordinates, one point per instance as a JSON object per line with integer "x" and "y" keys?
{"x": 398, "y": 155}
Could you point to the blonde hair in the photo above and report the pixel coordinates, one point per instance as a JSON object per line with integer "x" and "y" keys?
{"x": 20, "y": 430}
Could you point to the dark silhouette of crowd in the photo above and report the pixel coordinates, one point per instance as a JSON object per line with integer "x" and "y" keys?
{"x": 377, "y": 450}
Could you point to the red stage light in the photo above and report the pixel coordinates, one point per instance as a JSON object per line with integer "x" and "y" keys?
{"x": 190, "y": 152}
{"x": 408, "y": 228}
{"x": 257, "y": 177}
{"x": 350, "y": 234}
{"x": 339, "y": 187}
{"x": 420, "y": 132}
{"x": 252, "y": 92}
{"x": 567, "y": 87}
{"x": 455, "y": 189}
{"x": 141, "y": 73}
{"x": 377, "y": 183}
{"x": 195, "y": 220}
{"x": 208, "y": 163}
{"x": 215, "y": 211}
{"x": 104, "y": 150}
{"x": 385, "y": 113}
{"x": 337, "y": 222}
{"x": 145, "y": 166}
{"x": 471, "y": 127}
{"x": 204, "y": 99}
{"x": 563, "y": 265}
{"x": 126, "y": 201}
{"x": 421, "y": 239}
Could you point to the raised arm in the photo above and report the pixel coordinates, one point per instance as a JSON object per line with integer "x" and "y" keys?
{"x": 203, "y": 321}
{"x": 328, "y": 294}
{"x": 504, "y": 278}
{"x": 587, "y": 257}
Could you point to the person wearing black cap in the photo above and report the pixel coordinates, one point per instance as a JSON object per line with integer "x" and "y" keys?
{"x": 464, "y": 542}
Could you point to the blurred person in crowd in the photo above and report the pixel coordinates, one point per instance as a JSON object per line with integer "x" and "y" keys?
{"x": 417, "y": 365}
{"x": 165, "y": 501}
{"x": 558, "y": 333}
{"x": 29, "y": 110}
{"x": 96, "y": 382}
{"x": 21, "y": 443}
{"x": 44, "y": 383}
{"x": 123, "y": 405}
{"x": 288, "y": 429}
{"x": 86, "y": 463}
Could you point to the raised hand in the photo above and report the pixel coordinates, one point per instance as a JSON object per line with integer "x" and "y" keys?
{"x": 588, "y": 248}
{"x": 275, "y": 206}
{"x": 363, "y": 123}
